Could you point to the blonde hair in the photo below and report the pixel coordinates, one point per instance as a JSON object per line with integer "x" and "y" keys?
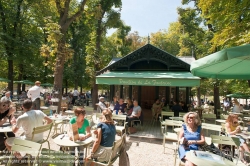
{"x": 197, "y": 120}
{"x": 231, "y": 117}
{"x": 107, "y": 117}
{"x": 236, "y": 101}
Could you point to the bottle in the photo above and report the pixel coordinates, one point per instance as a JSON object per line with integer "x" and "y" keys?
{"x": 51, "y": 112}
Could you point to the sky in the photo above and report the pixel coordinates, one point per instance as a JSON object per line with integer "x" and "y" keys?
{"x": 149, "y": 16}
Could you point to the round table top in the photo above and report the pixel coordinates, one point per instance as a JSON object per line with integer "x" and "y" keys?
{"x": 58, "y": 117}
{"x": 221, "y": 120}
{"x": 246, "y": 118}
{"x": 63, "y": 140}
{"x": 176, "y": 118}
{"x": 177, "y": 129}
{"x": 44, "y": 108}
{"x": 6, "y": 129}
{"x": 236, "y": 113}
{"x": 69, "y": 112}
{"x": 206, "y": 158}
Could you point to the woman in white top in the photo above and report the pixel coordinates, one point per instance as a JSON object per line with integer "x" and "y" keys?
{"x": 236, "y": 108}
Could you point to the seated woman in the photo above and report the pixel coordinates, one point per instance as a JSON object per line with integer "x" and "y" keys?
{"x": 6, "y": 114}
{"x": 232, "y": 128}
{"x": 83, "y": 130}
{"x": 191, "y": 136}
{"x": 129, "y": 106}
{"x": 157, "y": 108}
{"x": 105, "y": 138}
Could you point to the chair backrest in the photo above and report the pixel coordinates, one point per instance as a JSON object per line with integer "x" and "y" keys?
{"x": 181, "y": 114}
{"x": 212, "y": 127}
{"x": 42, "y": 129}
{"x": 210, "y": 116}
{"x": 119, "y": 117}
{"x": 166, "y": 114}
{"x": 116, "y": 149}
{"x": 223, "y": 116}
{"x": 25, "y": 146}
{"x": 225, "y": 140}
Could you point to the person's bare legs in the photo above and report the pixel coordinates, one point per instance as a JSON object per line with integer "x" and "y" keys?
{"x": 188, "y": 163}
{"x": 245, "y": 147}
{"x": 242, "y": 154}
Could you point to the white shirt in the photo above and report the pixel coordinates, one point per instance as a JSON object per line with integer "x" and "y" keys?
{"x": 75, "y": 93}
{"x": 5, "y": 98}
{"x": 28, "y": 121}
{"x": 102, "y": 105}
{"x": 237, "y": 109}
{"x": 34, "y": 92}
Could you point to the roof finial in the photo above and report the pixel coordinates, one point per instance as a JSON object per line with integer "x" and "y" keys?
{"x": 148, "y": 39}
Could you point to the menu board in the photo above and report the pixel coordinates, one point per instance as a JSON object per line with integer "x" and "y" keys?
{"x": 73, "y": 132}
{"x": 209, "y": 156}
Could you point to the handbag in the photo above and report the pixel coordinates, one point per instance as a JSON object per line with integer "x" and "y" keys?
{"x": 130, "y": 112}
{"x": 132, "y": 130}
{"x": 213, "y": 149}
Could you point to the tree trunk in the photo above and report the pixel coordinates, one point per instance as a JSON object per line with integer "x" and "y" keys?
{"x": 20, "y": 76}
{"x": 216, "y": 97}
{"x": 58, "y": 73}
{"x": 10, "y": 75}
{"x": 97, "y": 55}
{"x": 95, "y": 96}
{"x": 199, "y": 96}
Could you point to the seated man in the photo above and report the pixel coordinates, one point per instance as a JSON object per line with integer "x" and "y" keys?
{"x": 102, "y": 105}
{"x": 136, "y": 113}
{"x": 28, "y": 121}
{"x": 120, "y": 107}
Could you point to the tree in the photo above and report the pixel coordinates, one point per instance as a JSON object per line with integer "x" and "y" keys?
{"x": 106, "y": 17}
{"x": 229, "y": 21}
{"x": 68, "y": 12}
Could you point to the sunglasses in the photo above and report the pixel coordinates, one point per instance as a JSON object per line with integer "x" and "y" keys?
{"x": 191, "y": 117}
{"x": 235, "y": 122}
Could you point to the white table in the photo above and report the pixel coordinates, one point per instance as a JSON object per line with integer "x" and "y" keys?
{"x": 64, "y": 141}
{"x": 44, "y": 108}
{"x": 236, "y": 113}
{"x": 69, "y": 112}
{"x": 207, "y": 159}
{"x": 5, "y": 130}
{"x": 177, "y": 130}
{"x": 246, "y": 118}
{"x": 221, "y": 120}
{"x": 176, "y": 118}
{"x": 59, "y": 117}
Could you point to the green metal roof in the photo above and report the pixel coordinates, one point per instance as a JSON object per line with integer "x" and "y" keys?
{"x": 149, "y": 78}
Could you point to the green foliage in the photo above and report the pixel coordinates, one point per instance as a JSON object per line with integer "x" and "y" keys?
{"x": 229, "y": 20}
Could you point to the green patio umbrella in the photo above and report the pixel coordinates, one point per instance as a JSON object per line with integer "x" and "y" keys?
{"x": 47, "y": 84}
{"x": 239, "y": 95}
{"x": 230, "y": 63}
{"x": 24, "y": 82}
{"x": 4, "y": 80}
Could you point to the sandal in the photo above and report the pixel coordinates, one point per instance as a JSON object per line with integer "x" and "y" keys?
{"x": 244, "y": 161}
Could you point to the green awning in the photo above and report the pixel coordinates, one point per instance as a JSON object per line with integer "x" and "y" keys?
{"x": 149, "y": 78}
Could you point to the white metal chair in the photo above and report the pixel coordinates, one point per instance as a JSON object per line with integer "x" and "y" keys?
{"x": 207, "y": 117}
{"x": 116, "y": 151}
{"x": 56, "y": 157}
{"x": 164, "y": 113}
{"x": 42, "y": 129}
{"x": 233, "y": 141}
{"x": 122, "y": 118}
{"x": 25, "y": 146}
